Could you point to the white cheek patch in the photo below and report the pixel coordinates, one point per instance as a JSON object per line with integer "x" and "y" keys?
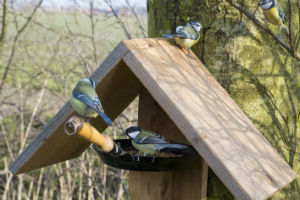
{"x": 93, "y": 83}
{"x": 198, "y": 28}
{"x": 133, "y": 134}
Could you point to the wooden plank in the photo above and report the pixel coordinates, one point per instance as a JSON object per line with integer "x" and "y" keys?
{"x": 210, "y": 120}
{"x": 150, "y": 185}
{"x": 116, "y": 87}
{"x": 191, "y": 183}
{"x": 187, "y": 184}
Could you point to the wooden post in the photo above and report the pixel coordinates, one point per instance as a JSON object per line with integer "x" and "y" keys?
{"x": 187, "y": 184}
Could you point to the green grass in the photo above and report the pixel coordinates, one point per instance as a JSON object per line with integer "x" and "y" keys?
{"x": 36, "y": 47}
{"x": 44, "y": 51}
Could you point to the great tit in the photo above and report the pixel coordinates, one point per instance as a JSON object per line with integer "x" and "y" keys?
{"x": 86, "y": 102}
{"x": 150, "y": 143}
{"x": 274, "y": 14}
{"x": 186, "y": 36}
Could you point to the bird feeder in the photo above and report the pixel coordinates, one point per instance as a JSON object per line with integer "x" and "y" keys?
{"x": 119, "y": 153}
{"x": 180, "y": 100}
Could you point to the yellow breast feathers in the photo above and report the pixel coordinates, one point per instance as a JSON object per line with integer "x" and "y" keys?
{"x": 186, "y": 43}
{"x": 273, "y": 16}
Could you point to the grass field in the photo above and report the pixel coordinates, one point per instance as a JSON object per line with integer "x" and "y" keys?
{"x": 46, "y": 46}
{"x": 45, "y": 66}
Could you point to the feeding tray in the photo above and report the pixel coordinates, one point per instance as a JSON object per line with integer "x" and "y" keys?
{"x": 174, "y": 159}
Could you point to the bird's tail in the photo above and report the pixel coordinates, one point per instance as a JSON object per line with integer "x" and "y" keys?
{"x": 175, "y": 148}
{"x": 168, "y": 35}
{"x": 105, "y": 118}
{"x": 174, "y": 145}
{"x": 283, "y": 27}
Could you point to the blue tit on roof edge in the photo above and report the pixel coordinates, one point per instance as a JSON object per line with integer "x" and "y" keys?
{"x": 274, "y": 14}
{"x": 148, "y": 142}
{"x": 86, "y": 102}
{"x": 186, "y": 36}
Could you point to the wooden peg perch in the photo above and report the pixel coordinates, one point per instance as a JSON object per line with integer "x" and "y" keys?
{"x": 77, "y": 126}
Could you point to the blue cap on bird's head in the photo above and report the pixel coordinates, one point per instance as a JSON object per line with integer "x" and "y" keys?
{"x": 88, "y": 80}
{"x": 196, "y": 25}
{"x": 133, "y": 131}
{"x": 266, "y": 4}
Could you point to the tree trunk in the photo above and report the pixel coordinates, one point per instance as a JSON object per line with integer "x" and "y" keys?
{"x": 259, "y": 75}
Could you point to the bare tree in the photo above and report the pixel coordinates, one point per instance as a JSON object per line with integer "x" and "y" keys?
{"x": 44, "y": 52}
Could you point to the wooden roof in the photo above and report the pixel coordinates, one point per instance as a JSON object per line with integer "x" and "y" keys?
{"x": 203, "y": 111}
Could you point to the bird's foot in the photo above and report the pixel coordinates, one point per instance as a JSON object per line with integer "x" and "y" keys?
{"x": 153, "y": 158}
{"x": 137, "y": 156}
{"x": 278, "y": 36}
{"x": 190, "y": 54}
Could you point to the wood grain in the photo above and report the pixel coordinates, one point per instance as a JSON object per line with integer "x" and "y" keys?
{"x": 189, "y": 184}
{"x": 210, "y": 120}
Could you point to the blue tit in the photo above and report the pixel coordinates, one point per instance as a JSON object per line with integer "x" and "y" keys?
{"x": 186, "y": 36}
{"x": 274, "y": 14}
{"x": 149, "y": 142}
{"x": 86, "y": 102}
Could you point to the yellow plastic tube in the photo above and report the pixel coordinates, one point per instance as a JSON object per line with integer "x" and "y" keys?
{"x": 77, "y": 126}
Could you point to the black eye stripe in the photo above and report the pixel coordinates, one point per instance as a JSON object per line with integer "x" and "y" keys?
{"x": 92, "y": 82}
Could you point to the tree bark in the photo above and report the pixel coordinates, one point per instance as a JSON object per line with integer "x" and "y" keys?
{"x": 261, "y": 76}
{"x": 3, "y": 24}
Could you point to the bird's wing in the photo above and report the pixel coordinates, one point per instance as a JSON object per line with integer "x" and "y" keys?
{"x": 280, "y": 11}
{"x": 171, "y": 146}
{"x": 93, "y": 103}
{"x": 87, "y": 95}
{"x": 181, "y": 149}
{"x": 179, "y": 28}
{"x": 154, "y": 140}
{"x": 187, "y": 32}
{"x": 148, "y": 137}
{"x": 168, "y": 35}
{"x": 149, "y": 140}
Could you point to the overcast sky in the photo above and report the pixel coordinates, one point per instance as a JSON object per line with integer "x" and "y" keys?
{"x": 98, "y": 3}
